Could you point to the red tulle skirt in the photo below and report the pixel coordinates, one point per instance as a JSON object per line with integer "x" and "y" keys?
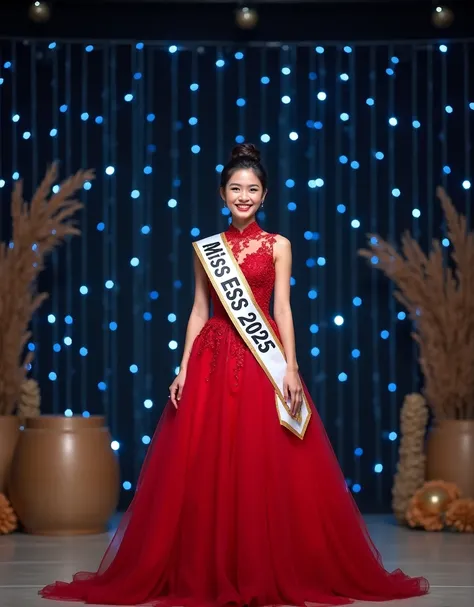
{"x": 233, "y": 509}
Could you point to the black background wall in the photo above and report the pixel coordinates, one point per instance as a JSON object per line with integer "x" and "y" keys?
{"x": 360, "y": 110}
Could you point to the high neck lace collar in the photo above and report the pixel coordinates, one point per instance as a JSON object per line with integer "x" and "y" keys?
{"x": 251, "y": 230}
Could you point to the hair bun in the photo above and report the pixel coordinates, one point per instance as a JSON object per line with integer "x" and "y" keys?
{"x": 246, "y": 150}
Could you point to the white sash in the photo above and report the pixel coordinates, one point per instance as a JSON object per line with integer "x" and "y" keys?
{"x": 237, "y": 298}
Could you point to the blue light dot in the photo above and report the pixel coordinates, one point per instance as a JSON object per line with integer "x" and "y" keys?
{"x": 51, "y": 318}
{"x": 134, "y": 262}
{"x": 172, "y": 49}
{"x": 384, "y": 334}
{"x": 52, "y": 376}
{"x": 318, "y": 125}
{"x": 379, "y": 155}
{"x": 348, "y": 49}
{"x": 133, "y": 369}
{"x": 285, "y": 71}
{"x": 342, "y": 377}
{"x": 466, "y": 184}
{"x": 344, "y": 77}
{"x": 286, "y": 99}
{"x": 100, "y": 226}
{"x": 83, "y": 351}
{"x": 110, "y": 170}
{"x": 52, "y": 45}
{"x": 87, "y": 185}
{"x": 240, "y": 139}
{"x": 148, "y": 170}
{"x": 154, "y": 295}
{"x": 319, "y": 50}
{"x": 446, "y": 170}
{"x": 389, "y": 71}
{"x": 148, "y": 403}
{"x": 355, "y": 353}
{"x": 135, "y": 194}
{"x": 416, "y": 213}
{"x": 53, "y": 132}
{"x": 115, "y": 445}
{"x": 194, "y": 87}
{"x": 338, "y": 320}
{"x": 67, "y": 341}
{"x": 238, "y": 55}
{"x": 145, "y": 230}
{"x": 83, "y": 290}
{"x": 355, "y": 165}
{"x": 393, "y": 436}
{"x": 172, "y": 203}
{"x": 322, "y": 96}
{"x": 445, "y": 242}
{"x": 173, "y": 344}
{"x": 195, "y": 232}
{"x": 290, "y": 183}
{"x": 291, "y": 206}
{"x": 63, "y": 108}
{"x": 139, "y": 46}
{"x": 68, "y": 320}
{"x": 195, "y": 149}
{"x": 240, "y": 102}
{"x": 344, "y": 117}
{"x": 113, "y": 326}
{"x": 308, "y": 235}
{"x": 15, "y": 118}
{"x": 357, "y": 301}
{"x": 443, "y": 48}
{"x": 2, "y": 183}
{"x": 127, "y": 485}
{"x": 68, "y": 413}
{"x": 89, "y": 48}
{"x": 31, "y": 347}
{"x": 7, "y": 65}
{"x": 84, "y": 116}
{"x": 128, "y": 97}
{"x": 393, "y": 121}
{"x": 369, "y": 101}
{"x": 341, "y": 208}
{"x": 219, "y": 168}
{"x": 171, "y": 317}
{"x": 265, "y": 80}
{"x": 358, "y": 451}
{"x": 312, "y": 294}
{"x": 146, "y": 440}
{"x": 57, "y": 347}
{"x": 315, "y": 352}
{"x": 314, "y": 329}
{"x": 220, "y": 63}
{"x": 292, "y": 281}
{"x": 102, "y": 386}
{"x": 26, "y": 135}
{"x": 448, "y": 109}
{"x": 16, "y": 175}
{"x": 99, "y": 120}
{"x": 293, "y": 136}
{"x": 343, "y": 159}
{"x": 137, "y": 76}
{"x": 193, "y": 121}
{"x": 321, "y": 261}
{"x": 378, "y": 468}
{"x": 392, "y": 387}
{"x": 109, "y": 284}
{"x": 396, "y": 192}
{"x": 356, "y": 488}
{"x": 355, "y": 223}
{"x": 401, "y": 316}
{"x": 416, "y": 124}
{"x": 471, "y": 105}
{"x": 150, "y": 117}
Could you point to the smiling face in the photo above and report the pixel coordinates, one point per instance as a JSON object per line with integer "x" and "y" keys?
{"x": 243, "y": 194}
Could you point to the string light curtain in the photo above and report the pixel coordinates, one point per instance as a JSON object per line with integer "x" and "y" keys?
{"x": 355, "y": 137}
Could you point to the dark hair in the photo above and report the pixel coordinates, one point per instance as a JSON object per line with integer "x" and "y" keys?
{"x": 244, "y": 156}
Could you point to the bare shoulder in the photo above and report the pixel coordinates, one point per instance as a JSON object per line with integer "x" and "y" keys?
{"x": 281, "y": 247}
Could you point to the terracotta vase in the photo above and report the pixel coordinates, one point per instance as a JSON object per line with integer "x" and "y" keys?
{"x": 64, "y": 476}
{"x": 9, "y": 433}
{"x": 450, "y": 454}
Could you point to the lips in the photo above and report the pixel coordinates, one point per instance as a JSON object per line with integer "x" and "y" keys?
{"x": 243, "y": 207}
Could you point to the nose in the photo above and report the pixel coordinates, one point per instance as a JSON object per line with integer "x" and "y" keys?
{"x": 243, "y": 197}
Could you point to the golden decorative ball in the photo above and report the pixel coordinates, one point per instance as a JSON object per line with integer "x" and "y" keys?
{"x": 246, "y": 18}
{"x": 39, "y": 12}
{"x": 435, "y": 500}
{"x": 442, "y": 17}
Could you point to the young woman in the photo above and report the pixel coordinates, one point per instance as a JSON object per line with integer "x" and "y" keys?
{"x": 241, "y": 500}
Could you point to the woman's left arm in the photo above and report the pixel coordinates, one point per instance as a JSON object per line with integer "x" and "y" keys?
{"x": 284, "y": 320}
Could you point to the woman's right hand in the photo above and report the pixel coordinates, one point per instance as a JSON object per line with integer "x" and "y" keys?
{"x": 176, "y": 388}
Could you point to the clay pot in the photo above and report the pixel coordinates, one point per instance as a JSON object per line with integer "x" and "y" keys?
{"x": 450, "y": 454}
{"x": 9, "y": 433}
{"x": 64, "y": 476}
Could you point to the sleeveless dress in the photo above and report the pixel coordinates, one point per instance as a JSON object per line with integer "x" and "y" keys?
{"x": 230, "y": 507}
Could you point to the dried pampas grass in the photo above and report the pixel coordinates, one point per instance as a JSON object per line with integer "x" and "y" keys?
{"x": 440, "y": 301}
{"x": 38, "y": 228}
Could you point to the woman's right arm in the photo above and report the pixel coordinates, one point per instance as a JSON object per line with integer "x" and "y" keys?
{"x": 199, "y": 313}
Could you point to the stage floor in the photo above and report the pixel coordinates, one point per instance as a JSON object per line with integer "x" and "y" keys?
{"x": 29, "y": 562}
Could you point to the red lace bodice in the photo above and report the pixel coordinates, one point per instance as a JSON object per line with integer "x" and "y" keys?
{"x": 253, "y": 249}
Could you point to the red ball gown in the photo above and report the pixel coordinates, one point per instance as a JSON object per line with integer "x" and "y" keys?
{"x": 231, "y": 508}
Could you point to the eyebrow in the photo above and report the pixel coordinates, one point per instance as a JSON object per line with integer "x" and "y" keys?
{"x": 252, "y": 185}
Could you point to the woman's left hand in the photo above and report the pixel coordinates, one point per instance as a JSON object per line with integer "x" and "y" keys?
{"x": 293, "y": 391}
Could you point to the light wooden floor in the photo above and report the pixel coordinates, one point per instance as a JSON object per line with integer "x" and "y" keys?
{"x": 27, "y": 563}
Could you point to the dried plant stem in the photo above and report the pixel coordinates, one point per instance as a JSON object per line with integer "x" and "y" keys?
{"x": 439, "y": 298}
{"x": 38, "y": 228}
